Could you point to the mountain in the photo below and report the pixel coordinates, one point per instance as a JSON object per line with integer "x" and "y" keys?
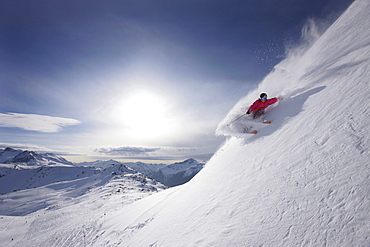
{"x": 8, "y": 154}
{"x": 31, "y": 158}
{"x": 145, "y": 168}
{"x": 301, "y": 181}
{"x": 178, "y": 173}
{"x": 169, "y": 175}
{"x": 24, "y": 191}
{"x": 99, "y": 163}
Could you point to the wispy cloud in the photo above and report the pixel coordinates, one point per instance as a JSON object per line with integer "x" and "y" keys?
{"x": 154, "y": 153}
{"x": 35, "y": 122}
{"x": 126, "y": 151}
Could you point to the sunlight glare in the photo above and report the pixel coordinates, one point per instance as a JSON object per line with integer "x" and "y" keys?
{"x": 145, "y": 116}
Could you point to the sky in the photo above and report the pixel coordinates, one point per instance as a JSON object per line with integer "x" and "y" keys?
{"x": 138, "y": 80}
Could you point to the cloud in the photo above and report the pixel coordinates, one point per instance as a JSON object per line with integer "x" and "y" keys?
{"x": 35, "y": 122}
{"x": 126, "y": 151}
{"x": 25, "y": 146}
{"x": 155, "y": 153}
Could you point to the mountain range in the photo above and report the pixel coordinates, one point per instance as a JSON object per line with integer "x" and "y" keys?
{"x": 31, "y": 158}
{"x": 169, "y": 175}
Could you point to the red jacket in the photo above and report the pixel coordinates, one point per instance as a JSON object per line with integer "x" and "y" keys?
{"x": 258, "y": 104}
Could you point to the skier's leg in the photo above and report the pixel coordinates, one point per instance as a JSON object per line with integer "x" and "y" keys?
{"x": 258, "y": 113}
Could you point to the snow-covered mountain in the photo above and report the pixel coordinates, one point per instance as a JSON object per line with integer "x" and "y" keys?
{"x": 170, "y": 175}
{"x": 99, "y": 163}
{"x": 145, "y": 168}
{"x": 304, "y": 180}
{"x": 43, "y": 187}
{"x": 31, "y": 158}
{"x": 8, "y": 154}
{"x": 178, "y": 173}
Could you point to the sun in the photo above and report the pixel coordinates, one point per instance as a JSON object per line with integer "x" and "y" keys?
{"x": 145, "y": 115}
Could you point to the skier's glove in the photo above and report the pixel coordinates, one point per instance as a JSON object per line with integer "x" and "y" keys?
{"x": 248, "y": 112}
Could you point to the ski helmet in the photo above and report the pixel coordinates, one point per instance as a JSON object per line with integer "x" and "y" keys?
{"x": 263, "y": 95}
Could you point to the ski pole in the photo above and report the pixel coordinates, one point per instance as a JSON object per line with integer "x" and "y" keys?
{"x": 236, "y": 119}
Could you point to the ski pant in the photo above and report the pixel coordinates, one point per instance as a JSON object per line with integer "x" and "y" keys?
{"x": 258, "y": 113}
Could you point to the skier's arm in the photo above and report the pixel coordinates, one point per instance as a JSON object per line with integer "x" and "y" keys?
{"x": 252, "y": 107}
{"x": 272, "y": 101}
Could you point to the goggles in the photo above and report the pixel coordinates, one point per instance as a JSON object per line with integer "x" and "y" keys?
{"x": 264, "y": 98}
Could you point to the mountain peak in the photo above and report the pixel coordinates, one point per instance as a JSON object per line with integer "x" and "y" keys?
{"x": 31, "y": 158}
{"x": 190, "y": 160}
{"x": 25, "y": 157}
{"x": 8, "y": 149}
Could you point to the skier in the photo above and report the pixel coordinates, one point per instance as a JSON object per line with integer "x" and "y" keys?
{"x": 259, "y": 106}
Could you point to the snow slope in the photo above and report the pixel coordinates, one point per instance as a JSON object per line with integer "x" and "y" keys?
{"x": 57, "y": 206}
{"x": 302, "y": 181}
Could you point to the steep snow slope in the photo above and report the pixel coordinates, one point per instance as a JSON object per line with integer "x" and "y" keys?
{"x": 302, "y": 181}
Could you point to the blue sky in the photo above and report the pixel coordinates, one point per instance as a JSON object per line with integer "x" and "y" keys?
{"x": 137, "y": 80}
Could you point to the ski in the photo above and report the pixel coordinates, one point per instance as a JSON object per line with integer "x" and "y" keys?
{"x": 248, "y": 130}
